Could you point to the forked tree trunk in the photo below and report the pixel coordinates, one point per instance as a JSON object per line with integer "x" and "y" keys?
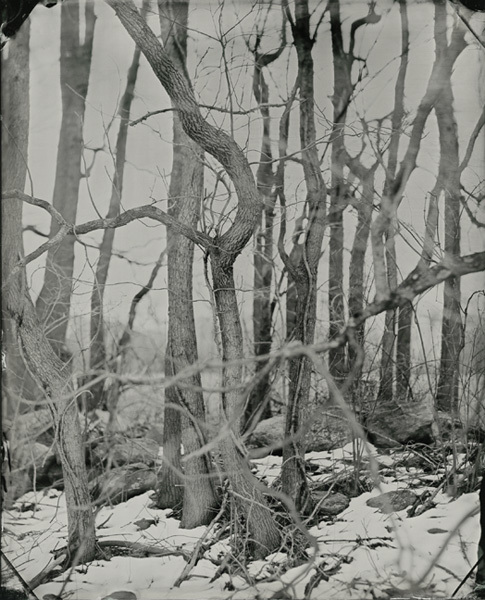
{"x": 54, "y": 301}
{"x": 184, "y": 406}
{"x": 258, "y": 406}
{"x": 302, "y": 266}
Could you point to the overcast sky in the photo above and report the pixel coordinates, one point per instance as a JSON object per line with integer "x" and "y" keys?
{"x": 149, "y": 151}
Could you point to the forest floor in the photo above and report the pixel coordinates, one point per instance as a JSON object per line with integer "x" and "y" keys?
{"x": 363, "y": 552}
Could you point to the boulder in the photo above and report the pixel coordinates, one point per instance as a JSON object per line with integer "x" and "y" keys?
{"x": 331, "y": 504}
{"x": 267, "y": 434}
{"x": 129, "y": 451}
{"x": 123, "y": 483}
{"x": 392, "y": 501}
{"x": 394, "y": 424}
{"x": 325, "y": 430}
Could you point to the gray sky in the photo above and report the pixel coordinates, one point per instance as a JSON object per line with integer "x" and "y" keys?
{"x": 149, "y": 150}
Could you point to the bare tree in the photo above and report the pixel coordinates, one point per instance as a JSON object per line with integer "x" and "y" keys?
{"x": 258, "y": 405}
{"x": 388, "y": 346}
{"x": 184, "y": 405}
{"x": 342, "y": 194}
{"x": 98, "y": 357}
{"x": 50, "y": 373}
{"x": 223, "y": 251}
{"x": 302, "y": 264}
{"x": 452, "y": 334}
{"x": 53, "y": 303}
{"x": 384, "y": 225}
{"x": 15, "y": 133}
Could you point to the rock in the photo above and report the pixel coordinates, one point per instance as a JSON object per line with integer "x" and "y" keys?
{"x": 130, "y": 451}
{"x": 331, "y": 504}
{"x": 325, "y": 430}
{"x": 122, "y": 483}
{"x": 392, "y": 501}
{"x": 267, "y": 433}
{"x": 143, "y": 524}
{"x": 393, "y": 424}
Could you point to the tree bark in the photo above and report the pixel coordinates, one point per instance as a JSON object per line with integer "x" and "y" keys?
{"x": 264, "y": 536}
{"x": 15, "y": 136}
{"x": 258, "y": 405}
{"x": 388, "y": 364}
{"x": 342, "y": 92}
{"x": 357, "y": 263}
{"x": 53, "y": 303}
{"x": 452, "y": 334}
{"x": 185, "y": 196}
{"x": 302, "y": 266}
{"x": 17, "y": 383}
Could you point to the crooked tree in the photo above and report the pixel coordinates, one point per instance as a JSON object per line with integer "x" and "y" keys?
{"x": 223, "y": 250}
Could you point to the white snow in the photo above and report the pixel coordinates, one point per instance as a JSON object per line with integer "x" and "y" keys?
{"x": 365, "y": 552}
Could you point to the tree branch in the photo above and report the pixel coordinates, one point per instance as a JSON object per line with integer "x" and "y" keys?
{"x": 146, "y": 211}
{"x": 211, "y": 139}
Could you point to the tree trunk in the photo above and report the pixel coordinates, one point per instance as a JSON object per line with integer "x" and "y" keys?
{"x": 258, "y": 406}
{"x": 54, "y": 301}
{"x": 342, "y": 92}
{"x": 388, "y": 365}
{"x": 17, "y": 383}
{"x": 403, "y": 352}
{"x": 98, "y": 354}
{"x": 54, "y": 378}
{"x": 480, "y": 578}
{"x": 17, "y": 308}
{"x": 264, "y": 536}
{"x": 302, "y": 268}
{"x": 15, "y": 135}
{"x": 356, "y": 268}
{"x": 451, "y": 328}
{"x": 185, "y": 196}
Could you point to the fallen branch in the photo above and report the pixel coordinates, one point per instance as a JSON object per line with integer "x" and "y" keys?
{"x": 143, "y": 548}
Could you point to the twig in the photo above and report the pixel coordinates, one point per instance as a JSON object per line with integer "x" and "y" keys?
{"x": 463, "y": 581}
{"x": 196, "y": 554}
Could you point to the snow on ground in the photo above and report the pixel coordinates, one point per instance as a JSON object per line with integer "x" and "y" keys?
{"x": 363, "y": 552}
